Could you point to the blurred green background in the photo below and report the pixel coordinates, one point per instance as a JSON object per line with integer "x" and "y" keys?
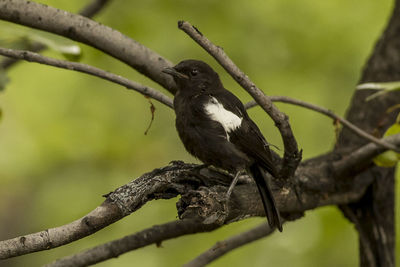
{"x": 67, "y": 138}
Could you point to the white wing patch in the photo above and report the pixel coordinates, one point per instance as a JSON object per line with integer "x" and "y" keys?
{"x": 229, "y": 120}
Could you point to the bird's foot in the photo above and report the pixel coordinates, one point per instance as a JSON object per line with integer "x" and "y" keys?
{"x": 221, "y": 171}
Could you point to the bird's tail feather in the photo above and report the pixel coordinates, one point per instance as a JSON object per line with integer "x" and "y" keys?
{"x": 263, "y": 185}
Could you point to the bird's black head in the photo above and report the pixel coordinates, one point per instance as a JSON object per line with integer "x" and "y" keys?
{"x": 194, "y": 75}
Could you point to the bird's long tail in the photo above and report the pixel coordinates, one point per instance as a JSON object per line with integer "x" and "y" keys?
{"x": 263, "y": 185}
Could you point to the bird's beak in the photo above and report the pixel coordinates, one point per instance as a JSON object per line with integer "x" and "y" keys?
{"x": 174, "y": 73}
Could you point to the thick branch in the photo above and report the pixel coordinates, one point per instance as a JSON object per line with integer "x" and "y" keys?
{"x": 203, "y": 191}
{"x": 87, "y": 31}
{"x": 97, "y": 219}
{"x": 34, "y": 57}
{"x": 292, "y": 156}
{"x": 202, "y": 188}
{"x": 373, "y": 214}
{"x": 161, "y": 183}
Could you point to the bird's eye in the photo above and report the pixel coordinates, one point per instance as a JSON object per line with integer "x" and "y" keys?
{"x": 194, "y": 72}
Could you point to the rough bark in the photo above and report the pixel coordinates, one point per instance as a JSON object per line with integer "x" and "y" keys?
{"x": 373, "y": 214}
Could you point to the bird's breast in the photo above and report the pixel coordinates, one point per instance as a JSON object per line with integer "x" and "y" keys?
{"x": 216, "y": 111}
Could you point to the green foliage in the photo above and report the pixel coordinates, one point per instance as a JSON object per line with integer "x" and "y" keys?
{"x": 69, "y": 138}
{"x": 389, "y": 158}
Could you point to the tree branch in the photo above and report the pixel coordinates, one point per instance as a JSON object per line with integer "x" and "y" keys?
{"x": 160, "y": 183}
{"x": 97, "y": 219}
{"x": 92, "y": 9}
{"x": 329, "y": 113}
{"x": 374, "y": 213}
{"x": 335, "y": 178}
{"x": 113, "y": 249}
{"x": 203, "y": 191}
{"x": 89, "y": 32}
{"x": 223, "y": 247}
{"x": 358, "y": 159}
{"x": 80, "y": 67}
{"x": 292, "y": 156}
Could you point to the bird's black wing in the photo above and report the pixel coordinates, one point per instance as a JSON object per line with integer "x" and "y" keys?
{"x": 248, "y": 137}
{"x": 206, "y": 139}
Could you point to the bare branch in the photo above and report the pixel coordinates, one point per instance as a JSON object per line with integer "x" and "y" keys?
{"x": 89, "y": 11}
{"x": 97, "y": 219}
{"x": 291, "y": 156}
{"x": 203, "y": 196}
{"x": 329, "y": 113}
{"x": 223, "y": 247}
{"x": 153, "y": 235}
{"x": 9, "y": 62}
{"x": 362, "y": 156}
{"x": 80, "y": 67}
{"x": 160, "y": 183}
{"x": 89, "y": 32}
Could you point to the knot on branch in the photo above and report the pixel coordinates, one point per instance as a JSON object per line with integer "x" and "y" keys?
{"x": 207, "y": 205}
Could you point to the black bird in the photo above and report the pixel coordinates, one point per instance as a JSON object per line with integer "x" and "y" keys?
{"x": 215, "y": 127}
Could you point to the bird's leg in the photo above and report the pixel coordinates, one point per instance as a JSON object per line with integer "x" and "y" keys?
{"x": 234, "y": 182}
{"x": 221, "y": 171}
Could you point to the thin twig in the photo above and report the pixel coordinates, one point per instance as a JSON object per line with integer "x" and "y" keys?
{"x": 89, "y": 11}
{"x": 292, "y": 155}
{"x": 362, "y": 156}
{"x": 152, "y": 235}
{"x": 329, "y": 113}
{"x": 8, "y": 62}
{"x": 223, "y": 247}
{"x": 84, "y": 68}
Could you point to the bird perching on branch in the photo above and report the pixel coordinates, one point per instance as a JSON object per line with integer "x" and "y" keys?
{"x": 215, "y": 127}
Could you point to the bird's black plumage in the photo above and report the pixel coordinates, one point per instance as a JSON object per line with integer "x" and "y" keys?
{"x": 215, "y": 127}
